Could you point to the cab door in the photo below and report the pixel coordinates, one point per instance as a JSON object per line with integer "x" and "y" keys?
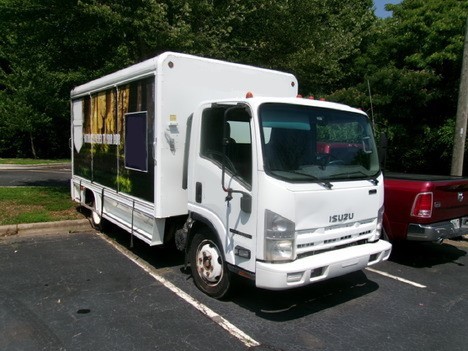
{"x": 221, "y": 179}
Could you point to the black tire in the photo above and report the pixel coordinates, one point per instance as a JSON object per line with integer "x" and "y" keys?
{"x": 208, "y": 266}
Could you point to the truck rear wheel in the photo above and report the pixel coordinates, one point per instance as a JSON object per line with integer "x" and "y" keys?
{"x": 208, "y": 266}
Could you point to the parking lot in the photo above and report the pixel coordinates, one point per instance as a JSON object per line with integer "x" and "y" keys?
{"x": 91, "y": 291}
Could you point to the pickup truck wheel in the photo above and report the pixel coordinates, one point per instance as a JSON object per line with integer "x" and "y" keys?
{"x": 207, "y": 264}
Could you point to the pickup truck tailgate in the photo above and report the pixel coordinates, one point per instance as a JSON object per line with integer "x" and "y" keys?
{"x": 450, "y": 199}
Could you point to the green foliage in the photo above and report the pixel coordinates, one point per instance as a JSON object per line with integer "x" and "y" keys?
{"x": 49, "y": 46}
{"x": 412, "y": 64}
{"x": 314, "y": 39}
{"x": 411, "y": 61}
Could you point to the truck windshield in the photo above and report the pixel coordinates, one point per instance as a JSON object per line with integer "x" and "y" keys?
{"x": 312, "y": 144}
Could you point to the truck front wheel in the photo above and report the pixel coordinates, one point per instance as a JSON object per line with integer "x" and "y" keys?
{"x": 207, "y": 264}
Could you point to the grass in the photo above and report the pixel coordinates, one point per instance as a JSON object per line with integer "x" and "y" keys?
{"x": 36, "y": 204}
{"x": 29, "y": 161}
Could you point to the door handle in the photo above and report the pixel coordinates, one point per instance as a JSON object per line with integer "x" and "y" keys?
{"x": 198, "y": 192}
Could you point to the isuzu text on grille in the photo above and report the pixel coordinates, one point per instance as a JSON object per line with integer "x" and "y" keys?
{"x": 341, "y": 218}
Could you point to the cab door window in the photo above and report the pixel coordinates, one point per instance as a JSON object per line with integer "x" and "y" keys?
{"x": 226, "y": 137}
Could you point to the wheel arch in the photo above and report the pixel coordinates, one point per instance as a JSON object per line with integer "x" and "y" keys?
{"x": 207, "y": 261}
{"x": 201, "y": 221}
{"x": 89, "y": 196}
{"x": 91, "y": 200}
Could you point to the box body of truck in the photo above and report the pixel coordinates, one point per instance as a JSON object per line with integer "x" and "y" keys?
{"x": 177, "y": 146}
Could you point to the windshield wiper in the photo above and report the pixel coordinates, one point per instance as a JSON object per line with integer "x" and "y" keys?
{"x": 324, "y": 183}
{"x": 373, "y": 180}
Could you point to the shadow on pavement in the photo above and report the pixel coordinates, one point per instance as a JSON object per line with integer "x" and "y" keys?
{"x": 157, "y": 256}
{"x": 297, "y": 303}
{"x": 270, "y": 305}
{"x": 420, "y": 255}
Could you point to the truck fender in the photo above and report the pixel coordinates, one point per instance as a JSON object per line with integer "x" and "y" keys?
{"x": 200, "y": 220}
{"x": 197, "y": 221}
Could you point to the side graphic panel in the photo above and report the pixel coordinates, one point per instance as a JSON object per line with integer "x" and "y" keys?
{"x": 101, "y": 157}
{"x": 104, "y": 137}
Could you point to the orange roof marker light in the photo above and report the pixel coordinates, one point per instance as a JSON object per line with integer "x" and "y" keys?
{"x": 299, "y": 96}
{"x": 249, "y": 95}
{"x": 311, "y": 97}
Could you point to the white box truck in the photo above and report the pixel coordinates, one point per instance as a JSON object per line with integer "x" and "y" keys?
{"x": 247, "y": 177}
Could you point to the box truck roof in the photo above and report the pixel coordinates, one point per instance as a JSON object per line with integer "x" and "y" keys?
{"x": 171, "y": 60}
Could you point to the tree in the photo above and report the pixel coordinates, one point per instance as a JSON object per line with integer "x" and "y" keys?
{"x": 49, "y": 46}
{"x": 412, "y": 64}
{"x": 317, "y": 40}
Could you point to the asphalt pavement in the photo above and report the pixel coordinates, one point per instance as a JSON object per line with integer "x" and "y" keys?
{"x": 35, "y": 175}
{"x": 76, "y": 292}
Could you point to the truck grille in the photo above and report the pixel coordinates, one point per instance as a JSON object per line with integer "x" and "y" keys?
{"x": 319, "y": 240}
{"x": 311, "y": 253}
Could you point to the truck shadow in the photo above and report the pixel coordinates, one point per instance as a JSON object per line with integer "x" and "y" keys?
{"x": 297, "y": 303}
{"x": 420, "y": 255}
{"x": 270, "y": 305}
{"x": 157, "y": 256}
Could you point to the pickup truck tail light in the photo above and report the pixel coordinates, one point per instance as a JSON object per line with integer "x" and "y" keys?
{"x": 422, "y": 205}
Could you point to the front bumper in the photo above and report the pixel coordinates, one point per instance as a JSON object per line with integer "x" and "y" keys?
{"x": 307, "y": 270}
{"x": 438, "y": 231}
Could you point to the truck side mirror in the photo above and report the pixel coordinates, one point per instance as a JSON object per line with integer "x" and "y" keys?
{"x": 246, "y": 203}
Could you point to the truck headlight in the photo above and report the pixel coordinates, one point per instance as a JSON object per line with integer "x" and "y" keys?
{"x": 279, "y": 237}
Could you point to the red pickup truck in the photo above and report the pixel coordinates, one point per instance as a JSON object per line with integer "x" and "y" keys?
{"x": 424, "y": 207}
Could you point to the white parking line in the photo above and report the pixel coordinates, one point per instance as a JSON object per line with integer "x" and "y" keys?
{"x": 232, "y": 329}
{"x": 397, "y": 278}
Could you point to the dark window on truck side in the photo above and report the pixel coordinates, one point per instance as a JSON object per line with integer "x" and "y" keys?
{"x": 136, "y": 151}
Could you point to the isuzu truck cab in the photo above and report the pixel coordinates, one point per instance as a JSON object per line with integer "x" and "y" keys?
{"x": 224, "y": 158}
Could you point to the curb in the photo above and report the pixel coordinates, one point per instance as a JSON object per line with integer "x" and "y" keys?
{"x": 60, "y": 227}
{"x": 8, "y": 166}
